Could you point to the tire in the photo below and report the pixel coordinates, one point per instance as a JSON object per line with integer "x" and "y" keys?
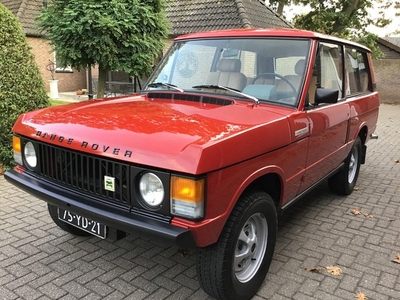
{"x": 345, "y": 180}
{"x": 225, "y": 270}
{"x": 64, "y": 226}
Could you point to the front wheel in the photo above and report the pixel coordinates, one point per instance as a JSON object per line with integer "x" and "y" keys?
{"x": 235, "y": 267}
{"x": 344, "y": 181}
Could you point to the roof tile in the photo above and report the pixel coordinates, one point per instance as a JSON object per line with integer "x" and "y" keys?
{"x": 185, "y": 16}
{"x": 223, "y": 14}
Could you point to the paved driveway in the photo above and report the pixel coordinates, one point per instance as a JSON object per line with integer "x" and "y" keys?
{"x": 40, "y": 261}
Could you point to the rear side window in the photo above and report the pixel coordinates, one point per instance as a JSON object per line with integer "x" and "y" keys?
{"x": 357, "y": 71}
{"x": 331, "y": 67}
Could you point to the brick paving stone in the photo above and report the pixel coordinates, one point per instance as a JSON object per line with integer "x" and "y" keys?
{"x": 40, "y": 261}
{"x": 159, "y": 294}
{"x": 6, "y": 294}
{"x": 26, "y": 292}
{"x": 137, "y": 295}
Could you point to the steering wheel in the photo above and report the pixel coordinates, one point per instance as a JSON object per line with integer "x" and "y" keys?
{"x": 276, "y": 75}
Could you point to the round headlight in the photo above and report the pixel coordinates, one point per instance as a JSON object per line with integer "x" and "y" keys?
{"x": 30, "y": 155}
{"x": 151, "y": 189}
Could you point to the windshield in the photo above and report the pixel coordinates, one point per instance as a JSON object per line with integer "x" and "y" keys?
{"x": 266, "y": 69}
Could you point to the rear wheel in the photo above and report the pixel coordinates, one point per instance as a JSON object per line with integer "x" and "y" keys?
{"x": 345, "y": 180}
{"x": 235, "y": 267}
{"x": 64, "y": 226}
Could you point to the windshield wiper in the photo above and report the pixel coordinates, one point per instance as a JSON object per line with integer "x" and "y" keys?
{"x": 165, "y": 84}
{"x": 221, "y": 87}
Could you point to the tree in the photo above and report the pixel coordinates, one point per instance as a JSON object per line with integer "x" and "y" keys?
{"x": 278, "y": 5}
{"x": 124, "y": 35}
{"x": 348, "y": 19}
{"x": 21, "y": 86}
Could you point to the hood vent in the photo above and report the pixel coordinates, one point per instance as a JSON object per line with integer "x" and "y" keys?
{"x": 192, "y": 98}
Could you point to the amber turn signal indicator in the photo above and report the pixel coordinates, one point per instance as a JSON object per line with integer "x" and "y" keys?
{"x": 187, "y": 197}
{"x": 16, "y": 144}
{"x": 187, "y": 189}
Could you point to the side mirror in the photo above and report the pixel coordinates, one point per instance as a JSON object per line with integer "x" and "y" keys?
{"x": 326, "y": 96}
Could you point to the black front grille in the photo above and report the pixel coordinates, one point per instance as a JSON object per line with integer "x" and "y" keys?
{"x": 85, "y": 173}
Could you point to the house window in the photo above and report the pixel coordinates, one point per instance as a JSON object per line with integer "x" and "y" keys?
{"x": 59, "y": 68}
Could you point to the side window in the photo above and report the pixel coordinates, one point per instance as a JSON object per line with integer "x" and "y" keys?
{"x": 328, "y": 70}
{"x": 286, "y": 66}
{"x": 248, "y": 60}
{"x": 357, "y": 72}
{"x": 331, "y": 68}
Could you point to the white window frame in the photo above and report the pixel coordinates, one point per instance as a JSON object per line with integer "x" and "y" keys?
{"x": 68, "y": 69}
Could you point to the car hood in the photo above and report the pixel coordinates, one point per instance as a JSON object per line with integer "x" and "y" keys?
{"x": 174, "y": 135}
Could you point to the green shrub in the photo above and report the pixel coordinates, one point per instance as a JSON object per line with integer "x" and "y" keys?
{"x": 21, "y": 86}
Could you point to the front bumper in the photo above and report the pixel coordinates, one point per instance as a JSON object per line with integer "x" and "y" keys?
{"x": 118, "y": 218}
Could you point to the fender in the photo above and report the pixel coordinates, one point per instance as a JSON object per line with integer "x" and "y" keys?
{"x": 208, "y": 231}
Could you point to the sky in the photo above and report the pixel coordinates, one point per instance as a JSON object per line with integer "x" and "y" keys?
{"x": 382, "y": 32}
{"x": 388, "y": 30}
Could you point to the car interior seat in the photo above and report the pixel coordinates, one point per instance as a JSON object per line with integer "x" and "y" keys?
{"x": 295, "y": 80}
{"x": 228, "y": 74}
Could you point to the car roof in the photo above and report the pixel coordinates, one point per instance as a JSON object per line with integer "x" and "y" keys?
{"x": 268, "y": 32}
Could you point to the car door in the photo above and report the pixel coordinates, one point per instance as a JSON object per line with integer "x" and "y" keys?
{"x": 328, "y": 122}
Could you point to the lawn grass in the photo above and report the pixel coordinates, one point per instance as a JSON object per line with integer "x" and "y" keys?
{"x": 57, "y": 102}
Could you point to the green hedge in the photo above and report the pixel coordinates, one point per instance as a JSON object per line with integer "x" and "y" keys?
{"x": 21, "y": 86}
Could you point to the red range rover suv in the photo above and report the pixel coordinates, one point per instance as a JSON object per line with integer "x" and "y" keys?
{"x": 230, "y": 129}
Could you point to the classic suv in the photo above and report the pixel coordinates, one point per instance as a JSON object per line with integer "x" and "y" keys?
{"x": 231, "y": 128}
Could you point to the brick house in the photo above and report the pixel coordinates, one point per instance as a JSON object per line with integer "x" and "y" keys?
{"x": 387, "y": 70}
{"x": 26, "y": 11}
{"x": 184, "y": 16}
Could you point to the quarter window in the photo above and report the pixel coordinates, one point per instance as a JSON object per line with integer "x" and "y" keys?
{"x": 356, "y": 71}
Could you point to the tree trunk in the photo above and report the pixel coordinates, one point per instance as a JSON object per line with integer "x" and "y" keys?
{"x": 280, "y": 8}
{"x": 101, "y": 85}
{"x": 348, "y": 9}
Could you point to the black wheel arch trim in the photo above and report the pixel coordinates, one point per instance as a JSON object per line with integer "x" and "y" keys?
{"x": 122, "y": 219}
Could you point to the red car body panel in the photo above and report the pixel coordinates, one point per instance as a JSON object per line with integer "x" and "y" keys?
{"x": 175, "y": 136}
{"x": 232, "y": 145}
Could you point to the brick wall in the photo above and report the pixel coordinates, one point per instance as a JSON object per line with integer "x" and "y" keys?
{"x": 67, "y": 82}
{"x": 388, "y": 79}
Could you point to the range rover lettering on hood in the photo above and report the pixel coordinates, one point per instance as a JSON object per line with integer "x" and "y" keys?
{"x": 86, "y": 145}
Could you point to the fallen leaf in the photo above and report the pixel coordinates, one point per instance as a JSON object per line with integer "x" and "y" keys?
{"x": 335, "y": 271}
{"x": 356, "y": 211}
{"x": 396, "y": 259}
{"x": 361, "y": 296}
{"x": 368, "y": 216}
{"x": 315, "y": 270}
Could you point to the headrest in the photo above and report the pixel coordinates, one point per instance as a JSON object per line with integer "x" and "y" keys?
{"x": 229, "y": 65}
{"x": 299, "y": 67}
